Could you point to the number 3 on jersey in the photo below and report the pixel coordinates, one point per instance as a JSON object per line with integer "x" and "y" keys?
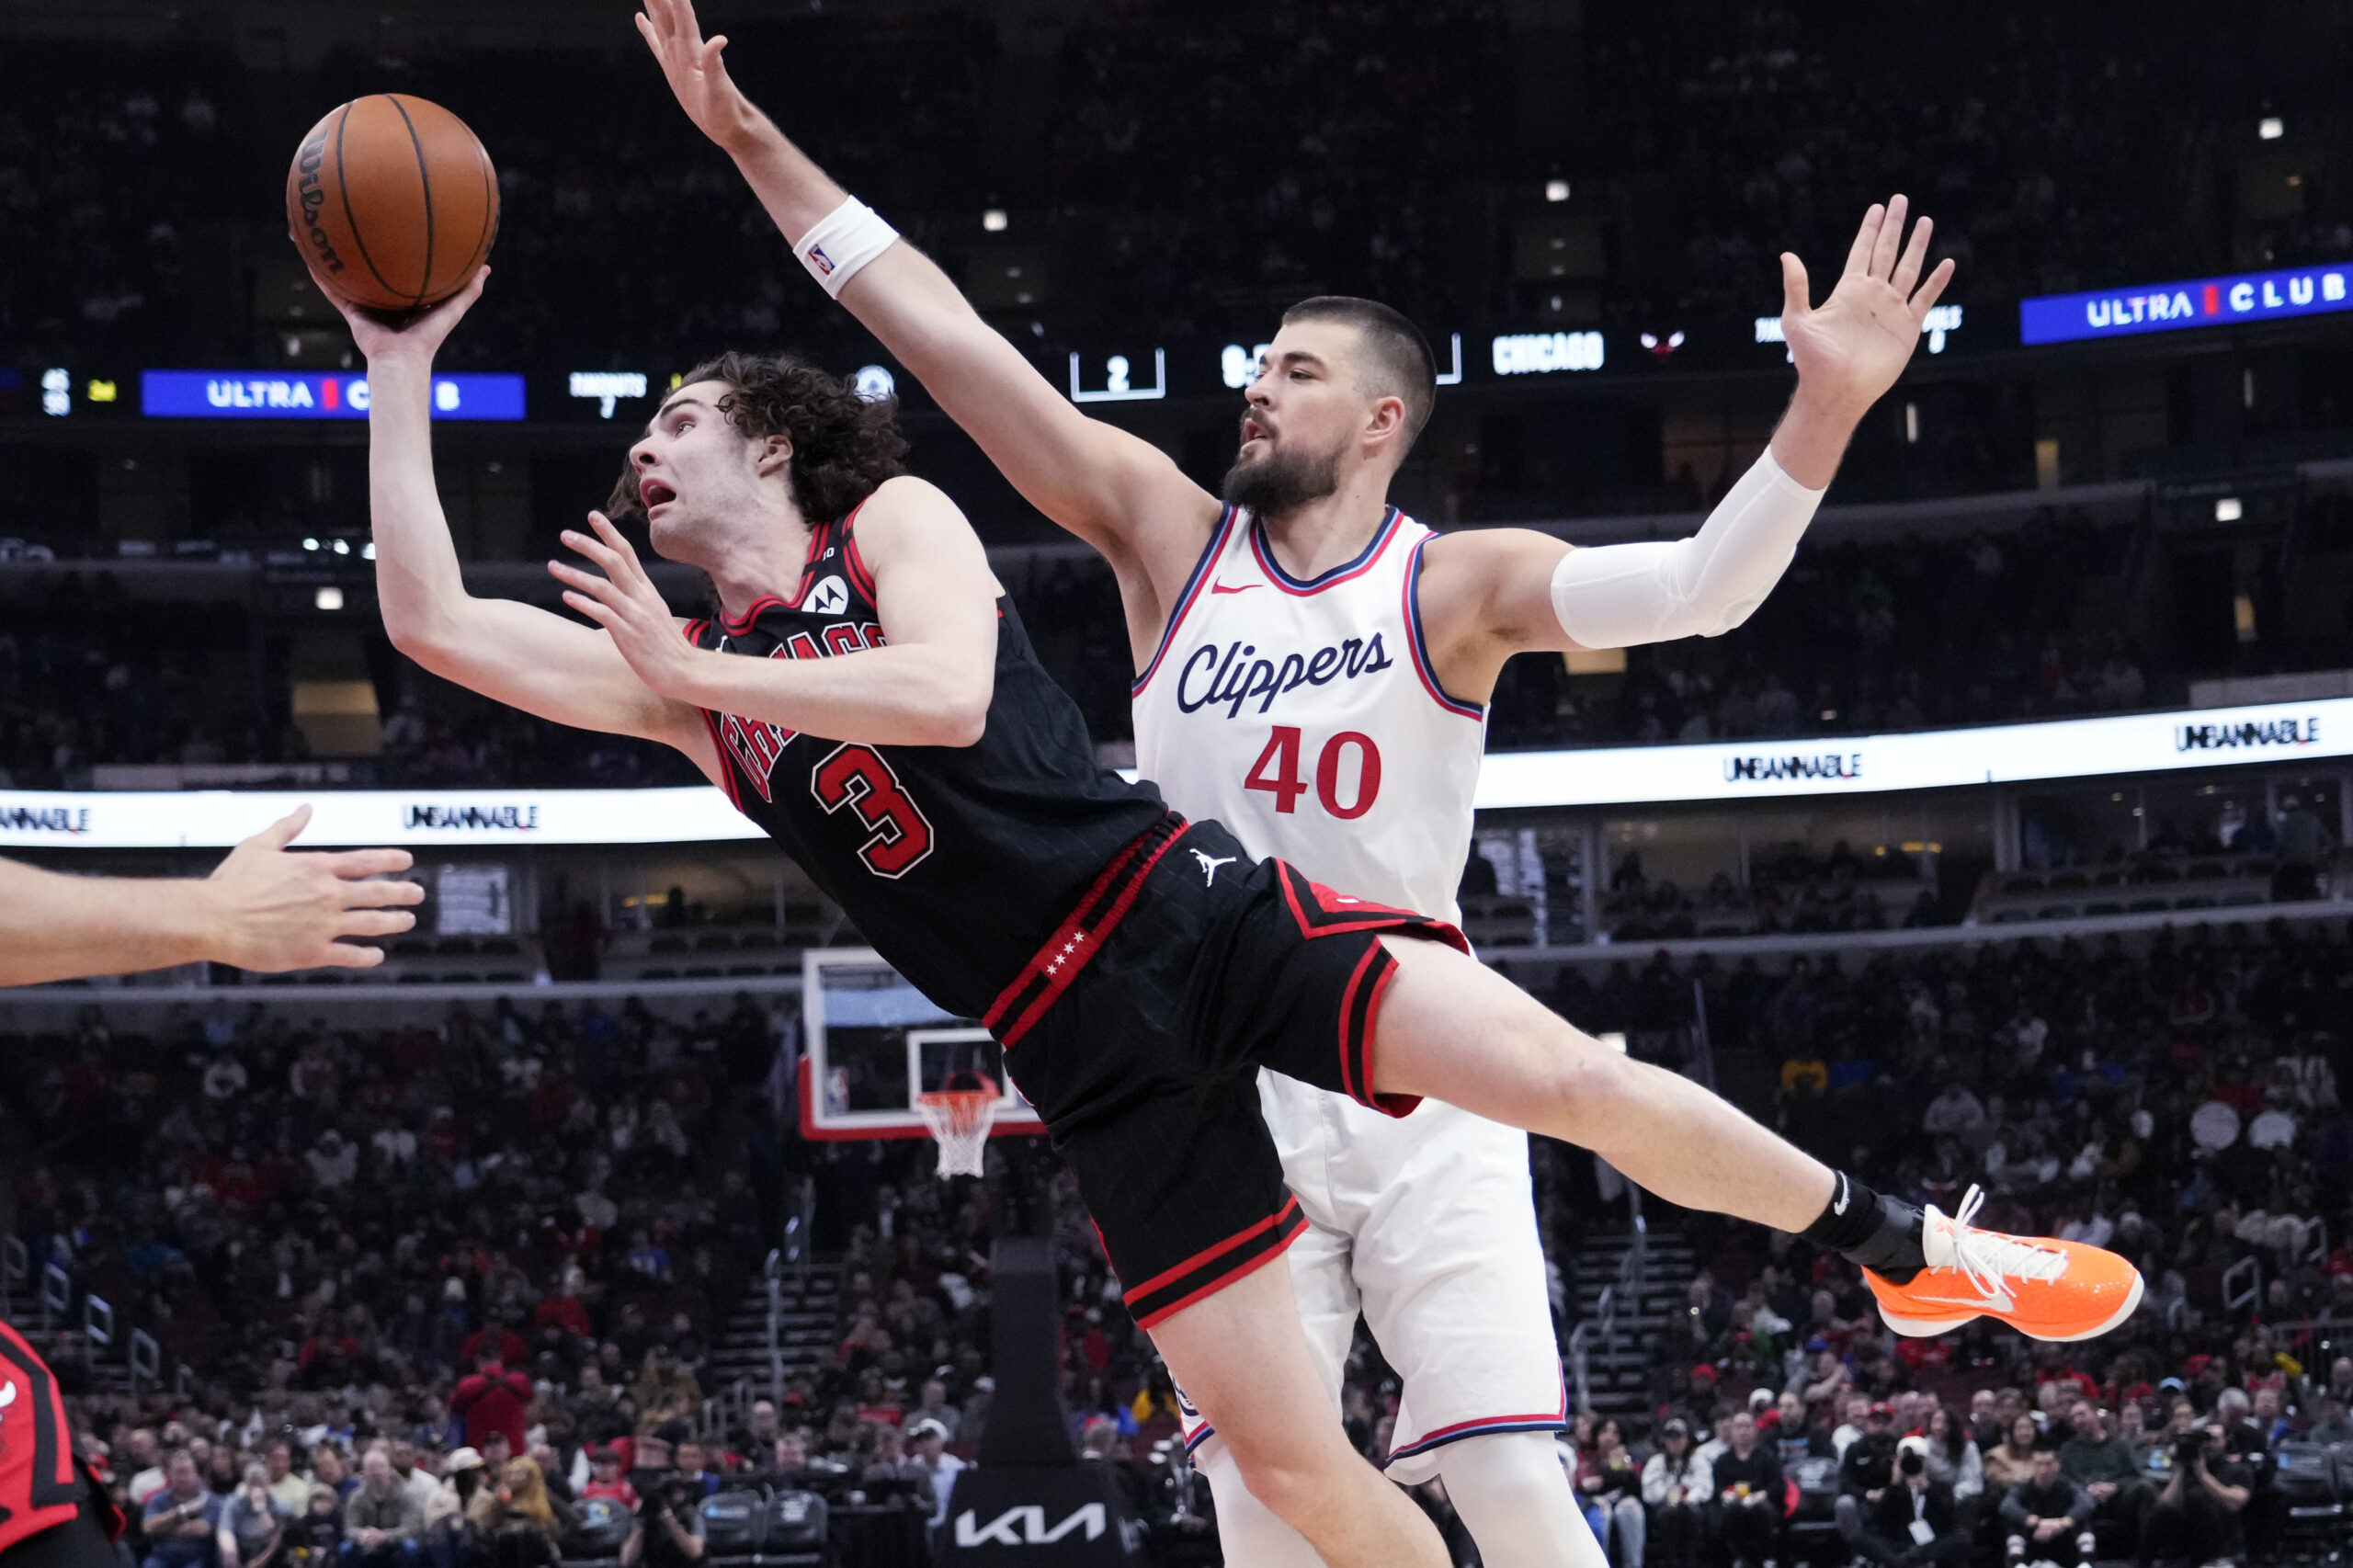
{"x": 1277, "y": 772}
{"x": 858, "y": 777}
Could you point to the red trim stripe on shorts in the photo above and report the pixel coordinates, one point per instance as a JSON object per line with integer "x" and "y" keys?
{"x": 1213, "y": 1268}
{"x": 1072, "y": 945}
{"x": 1322, "y": 913}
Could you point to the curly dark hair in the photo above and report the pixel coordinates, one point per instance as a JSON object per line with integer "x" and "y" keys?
{"x": 844, "y": 445}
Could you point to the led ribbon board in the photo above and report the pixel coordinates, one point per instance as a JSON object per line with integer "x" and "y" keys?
{"x": 1937, "y": 759}
{"x": 214, "y": 819}
{"x": 1512, "y": 781}
{"x": 2174, "y": 307}
{"x": 311, "y": 395}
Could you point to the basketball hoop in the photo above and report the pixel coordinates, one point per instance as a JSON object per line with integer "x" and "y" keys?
{"x": 960, "y": 1120}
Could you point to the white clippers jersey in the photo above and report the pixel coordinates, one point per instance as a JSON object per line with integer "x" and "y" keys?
{"x": 1305, "y": 716}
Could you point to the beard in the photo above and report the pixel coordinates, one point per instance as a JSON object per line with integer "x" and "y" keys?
{"x": 1283, "y": 480}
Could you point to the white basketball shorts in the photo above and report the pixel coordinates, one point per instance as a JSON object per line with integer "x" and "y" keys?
{"x": 1425, "y": 1225}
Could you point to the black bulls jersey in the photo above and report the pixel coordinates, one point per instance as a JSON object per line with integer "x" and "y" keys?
{"x": 955, "y": 862}
{"x": 41, "y": 1486}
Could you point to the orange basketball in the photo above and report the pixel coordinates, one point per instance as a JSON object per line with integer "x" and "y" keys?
{"x": 393, "y": 201}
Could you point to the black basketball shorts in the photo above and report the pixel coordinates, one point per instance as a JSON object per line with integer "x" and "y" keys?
{"x": 1138, "y": 1030}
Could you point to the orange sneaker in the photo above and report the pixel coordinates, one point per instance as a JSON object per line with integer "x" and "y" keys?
{"x": 2043, "y": 1288}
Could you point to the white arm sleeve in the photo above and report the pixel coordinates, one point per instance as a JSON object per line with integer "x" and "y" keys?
{"x": 1620, "y": 596}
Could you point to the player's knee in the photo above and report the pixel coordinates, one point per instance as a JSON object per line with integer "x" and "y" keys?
{"x": 1292, "y": 1483}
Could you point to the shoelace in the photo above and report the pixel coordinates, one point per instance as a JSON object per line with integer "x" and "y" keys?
{"x": 1987, "y": 1257}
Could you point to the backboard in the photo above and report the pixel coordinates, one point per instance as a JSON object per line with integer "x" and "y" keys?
{"x": 873, "y": 1042}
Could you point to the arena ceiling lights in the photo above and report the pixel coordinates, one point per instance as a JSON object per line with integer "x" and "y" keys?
{"x": 1735, "y": 770}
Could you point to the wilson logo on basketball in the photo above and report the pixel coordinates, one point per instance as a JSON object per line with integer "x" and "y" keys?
{"x": 1235, "y": 673}
{"x": 312, "y": 196}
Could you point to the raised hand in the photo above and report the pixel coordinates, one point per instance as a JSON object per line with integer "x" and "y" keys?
{"x": 1851, "y": 348}
{"x": 418, "y": 334}
{"x": 271, "y": 909}
{"x": 625, "y": 602}
{"x": 696, "y": 75}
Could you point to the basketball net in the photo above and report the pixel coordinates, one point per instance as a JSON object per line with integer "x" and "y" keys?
{"x": 960, "y": 1120}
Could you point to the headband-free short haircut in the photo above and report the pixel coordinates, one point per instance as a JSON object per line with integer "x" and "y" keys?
{"x": 1397, "y": 359}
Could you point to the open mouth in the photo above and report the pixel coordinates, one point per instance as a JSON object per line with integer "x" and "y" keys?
{"x": 1254, "y": 431}
{"x": 653, "y": 492}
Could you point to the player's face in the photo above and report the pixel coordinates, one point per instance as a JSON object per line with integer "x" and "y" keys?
{"x": 695, "y": 473}
{"x": 1304, "y": 416}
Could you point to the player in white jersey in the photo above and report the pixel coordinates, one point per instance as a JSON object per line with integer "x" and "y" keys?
{"x": 1313, "y": 673}
{"x": 1307, "y": 716}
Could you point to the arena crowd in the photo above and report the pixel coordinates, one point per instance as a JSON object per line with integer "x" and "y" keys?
{"x": 512, "y": 1237}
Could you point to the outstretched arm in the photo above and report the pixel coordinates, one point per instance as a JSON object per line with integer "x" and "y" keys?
{"x": 1119, "y": 493}
{"x": 1491, "y": 593}
{"x": 523, "y": 656}
{"x": 263, "y": 908}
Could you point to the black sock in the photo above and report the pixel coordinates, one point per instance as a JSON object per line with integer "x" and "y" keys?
{"x": 1871, "y": 1229}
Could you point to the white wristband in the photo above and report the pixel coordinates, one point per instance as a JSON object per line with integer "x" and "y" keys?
{"x": 841, "y": 242}
{"x": 1622, "y": 596}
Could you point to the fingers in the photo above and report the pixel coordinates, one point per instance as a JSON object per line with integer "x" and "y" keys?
{"x": 1890, "y": 235}
{"x": 282, "y": 832}
{"x": 1924, "y": 301}
{"x": 595, "y": 549}
{"x": 381, "y": 895}
{"x": 1796, "y": 301}
{"x": 661, "y": 27}
{"x": 347, "y": 955}
{"x": 618, "y": 543}
{"x": 353, "y": 864}
{"x": 1915, "y": 253}
{"x": 449, "y": 311}
{"x": 603, "y": 590}
{"x": 594, "y": 609}
{"x": 1859, "y": 255}
{"x": 616, "y": 555}
{"x": 375, "y": 923}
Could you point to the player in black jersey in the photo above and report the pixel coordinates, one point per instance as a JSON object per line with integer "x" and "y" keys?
{"x": 867, "y": 695}
{"x": 53, "y": 1512}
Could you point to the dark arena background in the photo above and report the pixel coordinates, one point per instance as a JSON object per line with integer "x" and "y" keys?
{"x": 2004, "y": 845}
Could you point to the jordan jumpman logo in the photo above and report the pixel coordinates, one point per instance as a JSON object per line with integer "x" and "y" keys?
{"x": 1209, "y": 864}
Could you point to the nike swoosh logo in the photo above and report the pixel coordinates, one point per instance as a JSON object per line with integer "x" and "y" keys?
{"x": 2000, "y": 1302}
{"x": 1221, "y": 589}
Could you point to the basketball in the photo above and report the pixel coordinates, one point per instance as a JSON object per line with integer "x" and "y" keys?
{"x": 393, "y": 201}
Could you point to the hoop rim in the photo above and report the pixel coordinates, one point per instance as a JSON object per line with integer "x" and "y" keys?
{"x": 961, "y": 1121}
{"x": 963, "y": 1102}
